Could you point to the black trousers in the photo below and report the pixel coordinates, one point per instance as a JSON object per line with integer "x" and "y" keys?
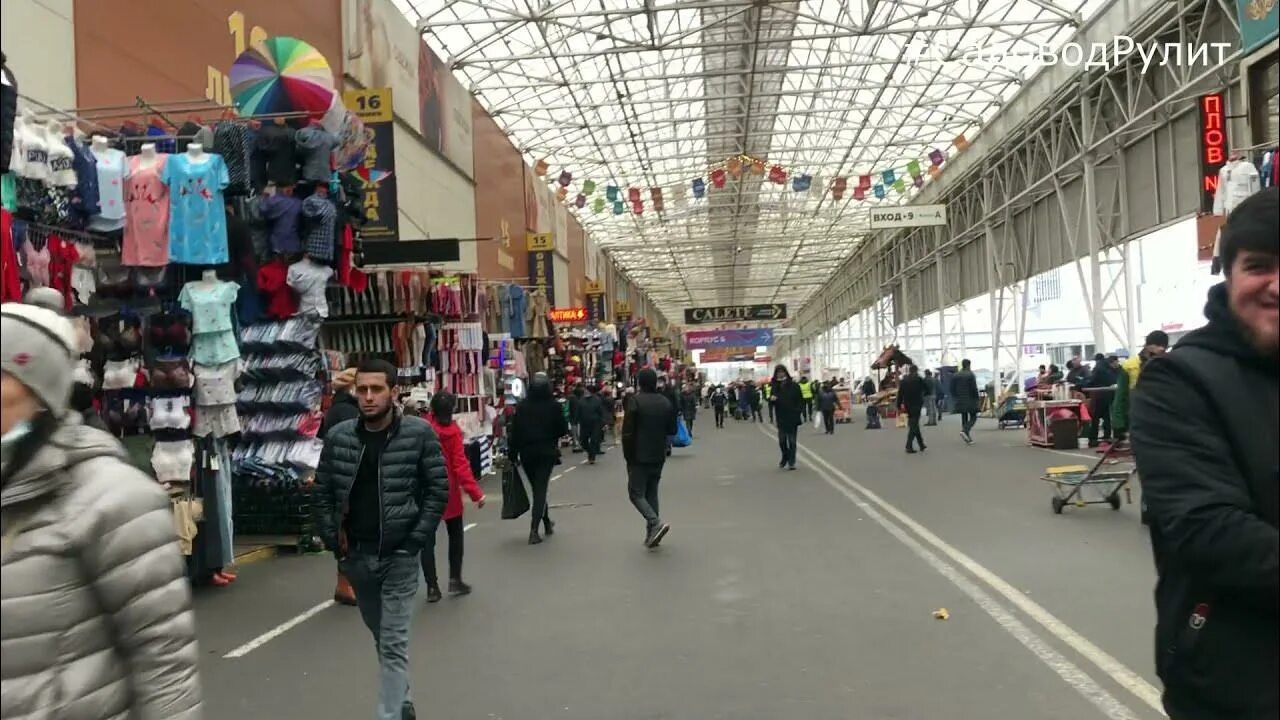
{"x": 755, "y": 414}
{"x": 967, "y": 420}
{"x": 770, "y": 412}
{"x": 829, "y": 421}
{"x": 913, "y": 429}
{"x": 642, "y": 489}
{"x": 538, "y": 470}
{"x": 589, "y": 436}
{"x": 1101, "y": 409}
{"x": 453, "y": 526}
{"x": 788, "y": 443}
{"x": 719, "y": 417}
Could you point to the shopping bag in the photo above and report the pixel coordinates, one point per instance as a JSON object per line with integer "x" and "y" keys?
{"x": 900, "y": 420}
{"x": 515, "y": 499}
{"x": 817, "y": 421}
{"x": 681, "y": 438}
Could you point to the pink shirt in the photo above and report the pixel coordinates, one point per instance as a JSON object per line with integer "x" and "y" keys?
{"x": 146, "y": 225}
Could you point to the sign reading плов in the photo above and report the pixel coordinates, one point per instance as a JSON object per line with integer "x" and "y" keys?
{"x": 908, "y": 216}
{"x": 735, "y": 313}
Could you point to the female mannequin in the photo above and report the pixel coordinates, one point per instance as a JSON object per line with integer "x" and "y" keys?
{"x": 209, "y": 277}
{"x": 148, "y": 157}
{"x": 99, "y": 144}
{"x": 196, "y": 153}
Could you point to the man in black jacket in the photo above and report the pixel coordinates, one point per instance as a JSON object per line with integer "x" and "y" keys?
{"x": 591, "y": 416}
{"x": 381, "y": 489}
{"x": 788, "y": 408}
{"x": 911, "y": 393}
{"x": 1102, "y": 383}
{"x": 965, "y": 399}
{"x": 1205, "y": 434}
{"x": 649, "y": 422}
{"x": 668, "y": 390}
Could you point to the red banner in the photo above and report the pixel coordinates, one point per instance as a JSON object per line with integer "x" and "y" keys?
{"x": 567, "y": 316}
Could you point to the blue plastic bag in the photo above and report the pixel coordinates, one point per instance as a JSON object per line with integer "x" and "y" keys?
{"x": 681, "y": 438}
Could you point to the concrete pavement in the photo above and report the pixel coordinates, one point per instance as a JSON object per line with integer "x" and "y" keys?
{"x": 806, "y": 595}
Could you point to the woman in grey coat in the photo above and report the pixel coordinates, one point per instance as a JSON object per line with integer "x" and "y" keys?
{"x": 95, "y": 611}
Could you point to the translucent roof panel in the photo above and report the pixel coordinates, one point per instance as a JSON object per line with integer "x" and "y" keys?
{"x": 652, "y": 94}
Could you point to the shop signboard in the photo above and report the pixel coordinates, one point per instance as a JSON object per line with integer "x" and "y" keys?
{"x": 698, "y": 339}
{"x": 595, "y": 287}
{"x": 622, "y": 312}
{"x": 381, "y": 201}
{"x": 539, "y": 242}
{"x": 1213, "y": 145}
{"x": 729, "y": 354}
{"x": 595, "y": 308}
{"x": 542, "y": 271}
{"x": 1259, "y": 22}
{"x": 908, "y": 216}
{"x": 1033, "y": 349}
{"x": 567, "y": 316}
{"x": 735, "y": 313}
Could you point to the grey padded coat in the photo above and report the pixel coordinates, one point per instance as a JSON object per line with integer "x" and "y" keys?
{"x": 95, "y": 610}
{"x": 415, "y": 483}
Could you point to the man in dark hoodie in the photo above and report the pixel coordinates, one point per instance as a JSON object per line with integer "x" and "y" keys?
{"x": 650, "y": 420}
{"x": 591, "y": 419}
{"x": 1205, "y": 432}
{"x": 788, "y": 407}
{"x": 911, "y": 395}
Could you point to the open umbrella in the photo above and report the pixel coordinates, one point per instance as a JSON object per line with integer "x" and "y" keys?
{"x": 280, "y": 75}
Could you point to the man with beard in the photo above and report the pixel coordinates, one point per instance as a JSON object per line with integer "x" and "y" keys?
{"x": 1205, "y": 431}
{"x": 381, "y": 489}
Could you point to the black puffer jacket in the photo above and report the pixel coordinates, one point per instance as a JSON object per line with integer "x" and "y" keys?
{"x": 415, "y": 483}
{"x": 537, "y": 426}
{"x": 1205, "y": 428}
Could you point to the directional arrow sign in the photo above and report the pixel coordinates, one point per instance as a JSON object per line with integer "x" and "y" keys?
{"x": 734, "y": 313}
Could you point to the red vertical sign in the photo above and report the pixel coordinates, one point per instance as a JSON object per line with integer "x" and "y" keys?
{"x": 1213, "y": 146}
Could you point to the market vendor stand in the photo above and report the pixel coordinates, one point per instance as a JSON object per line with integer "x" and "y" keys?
{"x": 1043, "y": 430}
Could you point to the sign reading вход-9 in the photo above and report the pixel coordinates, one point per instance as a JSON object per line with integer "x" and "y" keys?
{"x": 908, "y": 216}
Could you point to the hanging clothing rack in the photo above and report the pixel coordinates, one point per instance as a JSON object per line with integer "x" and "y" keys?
{"x": 142, "y": 109}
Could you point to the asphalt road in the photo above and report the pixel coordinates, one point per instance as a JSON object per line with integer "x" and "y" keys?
{"x": 806, "y": 595}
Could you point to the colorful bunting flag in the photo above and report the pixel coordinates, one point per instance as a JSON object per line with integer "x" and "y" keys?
{"x": 734, "y": 166}
{"x": 913, "y": 168}
{"x": 918, "y": 181}
{"x": 936, "y": 157}
{"x": 888, "y": 176}
{"x": 757, "y": 167}
{"x": 588, "y": 187}
{"x": 816, "y": 186}
{"x": 864, "y": 182}
{"x": 540, "y": 168}
{"x": 934, "y": 171}
{"x": 562, "y": 193}
{"x": 637, "y": 207}
{"x": 859, "y": 193}
{"x": 961, "y": 142}
{"x": 565, "y": 178}
{"x": 580, "y": 201}
{"x": 597, "y": 207}
{"x": 611, "y": 193}
{"x": 838, "y": 187}
{"x": 900, "y": 185}
{"x": 618, "y": 208}
{"x": 777, "y": 175}
{"x": 801, "y": 183}
{"x": 699, "y": 188}
{"x": 878, "y": 190}
{"x": 633, "y": 194}
{"x": 717, "y": 178}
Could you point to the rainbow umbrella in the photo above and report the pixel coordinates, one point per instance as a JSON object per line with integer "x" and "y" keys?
{"x": 280, "y": 75}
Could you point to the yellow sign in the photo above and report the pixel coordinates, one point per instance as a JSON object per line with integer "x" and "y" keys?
{"x": 372, "y": 105}
{"x": 540, "y": 242}
{"x": 622, "y": 306}
{"x": 595, "y": 288}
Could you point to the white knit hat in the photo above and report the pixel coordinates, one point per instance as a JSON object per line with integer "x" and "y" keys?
{"x": 37, "y": 347}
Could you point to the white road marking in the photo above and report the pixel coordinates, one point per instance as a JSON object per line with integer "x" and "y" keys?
{"x": 1112, "y": 667}
{"x": 277, "y": 631}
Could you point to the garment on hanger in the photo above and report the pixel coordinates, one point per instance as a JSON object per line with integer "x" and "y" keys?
{"x": 281, "y": 212}
{"x": 146, "y": 213}
{"x": 309, "y": 279}
{"x": 320, "y": 215}
{"x": 537, "y": 314}
{"x": 197, "y": 214}
{"x": 275, "y": 158}
{"x": 1237, "y": 180}
{"x": 86, "y": 201}
{"x": 213, "y": 339}
{"x": 232, "y": 141}
{"x": 282, "y": 300}
{"x": 112, "y": 169}
{"x": 514, "y": 307}
{"x": 315, "y": 149}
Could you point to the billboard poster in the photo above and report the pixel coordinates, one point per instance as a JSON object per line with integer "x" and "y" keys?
{"x": 595, "y": 308}
{"x": 728, "y": 338}
{"x": 381, "y": 201}
{"x": 542, "y": 271}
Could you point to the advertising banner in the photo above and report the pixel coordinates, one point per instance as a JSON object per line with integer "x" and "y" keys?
{"x": 595, "y": 308}
{"x": 698, "y": 339}
{"x": 193, "y": 57}
{"x": 621, "y": 311}
{"x": 734, "y": 313}
{"x": 381, "y": 201}
{"x": 908, "y": 216}
{"x": 384, "y": 49}
{"x": 1212, "y": 127}
{"x": 729, "y": 354}
{"x": 1259, "y": 23}
{"x": 567, "y": 316}
{"x": 542, "y": 271}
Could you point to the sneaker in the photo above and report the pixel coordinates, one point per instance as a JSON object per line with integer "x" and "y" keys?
{"x": 792, "y": 466}
{"x": 457, "y": 587}
{"x": 433, "y": 594}
{"x": 782, "y": 465}
{"x": 535, "y": 538}
{"x": 911, "y": 451}
{"x": 655, "y": 537}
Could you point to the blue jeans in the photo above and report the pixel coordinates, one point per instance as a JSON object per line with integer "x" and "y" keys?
{"x": 385, "y": 592}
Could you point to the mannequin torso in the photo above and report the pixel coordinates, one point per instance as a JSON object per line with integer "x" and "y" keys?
{"x": 148, "y": 157}
{"x": 196, "y": 154}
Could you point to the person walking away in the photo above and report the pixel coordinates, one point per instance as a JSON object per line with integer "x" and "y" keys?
{"x": 96, "y": 620}
{"x": 911, "y": 399}
{"x": 690, "y": 404}
{"x": 964, "y": 394}
{"x": 1102, "y": 380}
{"x": 592, "y": 416}
{"x": 827, "y": 402}
{"x": 1205, "y": 434}
{"x": 343, "y": 407}
{"x": 668, "y": 390}
{"x": 460, "y": 479}
{"x": 718, "y": 401}
{"x": 806, "y": 394}
{"x": 534, "y": 442}
{"x": 650, "y": 420}
{"x": 930, "y": 398}
{"x": 381, "y": 488}
{"x": 789, "y": 411}
{"x": 753, "y": 399}
{"x": 868, "y": 389}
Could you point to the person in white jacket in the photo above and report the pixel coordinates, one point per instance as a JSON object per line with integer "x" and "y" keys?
{"x": 95, "y": 609}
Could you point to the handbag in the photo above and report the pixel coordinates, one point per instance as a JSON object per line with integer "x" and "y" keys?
{"x": 681, "y": 438}
{"x": 817, "y": 421}
{"x": 900, "y": 420}
{"x": 515, "y": 499}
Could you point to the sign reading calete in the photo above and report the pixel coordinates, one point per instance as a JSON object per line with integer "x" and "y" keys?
{"x": 735, "y": 313}
{"x": 908, "y": 216}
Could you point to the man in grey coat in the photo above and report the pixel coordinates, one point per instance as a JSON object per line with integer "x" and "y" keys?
{"x": 89, "y": 555}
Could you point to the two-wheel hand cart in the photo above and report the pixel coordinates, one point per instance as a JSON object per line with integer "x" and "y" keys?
{"x": 1103, "y": 483}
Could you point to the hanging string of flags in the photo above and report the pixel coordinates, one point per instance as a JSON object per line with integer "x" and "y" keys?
{"x": 876, "y": 184}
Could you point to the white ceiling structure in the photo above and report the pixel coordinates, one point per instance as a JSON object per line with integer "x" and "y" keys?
{"x": 656, "y": 93}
